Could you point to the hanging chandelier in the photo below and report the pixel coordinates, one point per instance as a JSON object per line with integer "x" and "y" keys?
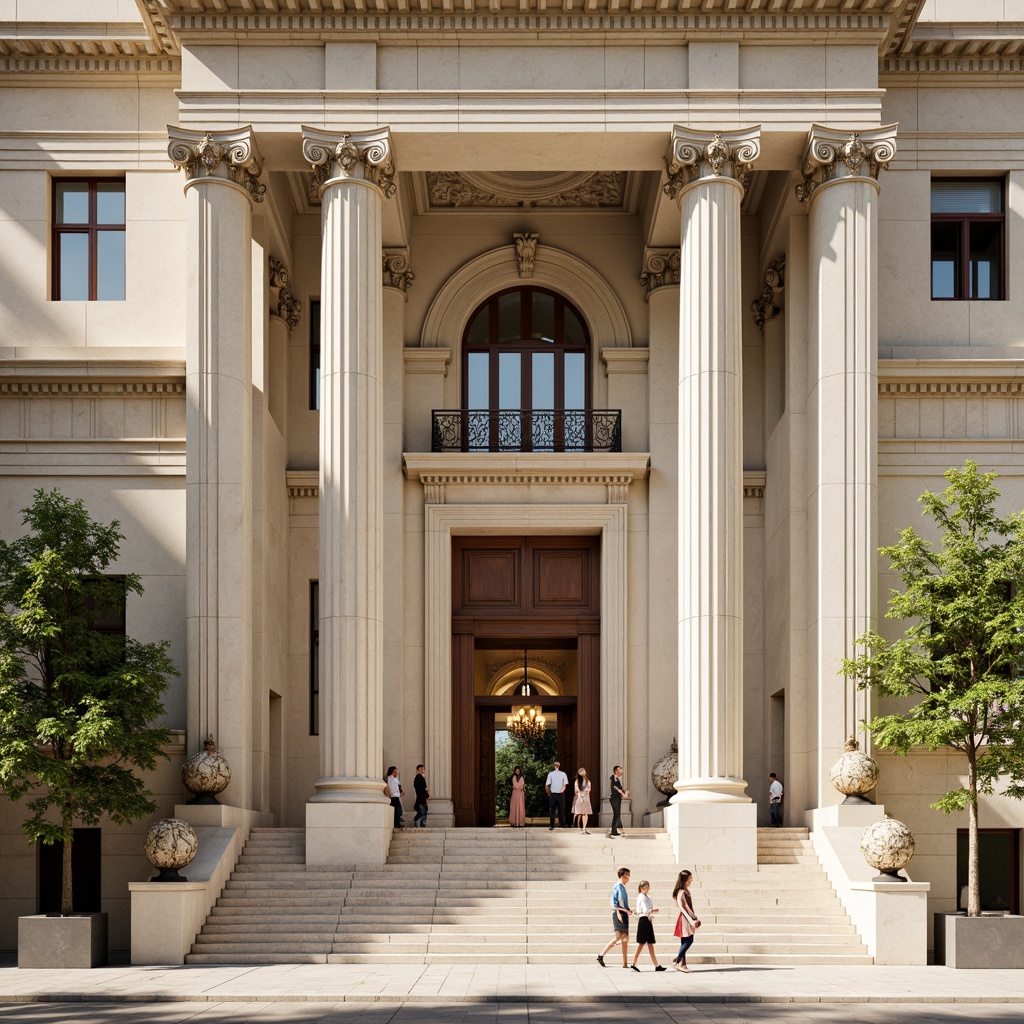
{"x": 526, "y": 722}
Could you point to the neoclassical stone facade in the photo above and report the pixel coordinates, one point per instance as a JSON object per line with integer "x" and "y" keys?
{"x": 510, "y": 327}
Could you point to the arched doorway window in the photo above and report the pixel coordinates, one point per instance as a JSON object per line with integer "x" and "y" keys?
{"x": 526, "y": 374}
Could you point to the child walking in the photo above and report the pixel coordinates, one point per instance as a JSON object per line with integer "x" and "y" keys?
{"x": 645, "y": 927}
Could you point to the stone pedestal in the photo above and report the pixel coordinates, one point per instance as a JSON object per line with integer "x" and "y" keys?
{"x": 355, "y": 173}
{"x": 62, "y": 943}
{"x": 708, "y": 173}
{"x": 840, "y": 184}
{"x": 222, "y": 180}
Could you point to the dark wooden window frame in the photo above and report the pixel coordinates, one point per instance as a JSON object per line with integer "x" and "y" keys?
{"x": 527, "y": 346}
{"x": 965, "y": 220}
{"x": 92, "y": 229}
{"x": 314, "y": 354}
{"x": 314, "y": 657}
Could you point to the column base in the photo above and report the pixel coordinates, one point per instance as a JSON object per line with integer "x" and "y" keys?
{"x": 346, "y": 834}
{"x": 440, "y": 813}
{"x": 712, "y": 833}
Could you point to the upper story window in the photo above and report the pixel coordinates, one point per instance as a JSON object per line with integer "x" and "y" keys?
{"x": 88, "y": 239}
{"x": 968, "y": 245}
{"x": 526, "y": 353}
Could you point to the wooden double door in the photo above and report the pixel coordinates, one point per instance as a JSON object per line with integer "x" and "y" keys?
{"x": 531, "y": 592}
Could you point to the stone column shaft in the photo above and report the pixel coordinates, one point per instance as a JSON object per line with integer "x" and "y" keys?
{"x": 354, "y": 174}
{"x": 840, "y": 183}
{"x": 222, "y": 174}
{"x": 710, "y": 509}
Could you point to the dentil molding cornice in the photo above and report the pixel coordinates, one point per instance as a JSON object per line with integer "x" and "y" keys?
{"x": 832, "y": 154}
{"x": 695, "y": 154}
{"x": 224, "y": 155}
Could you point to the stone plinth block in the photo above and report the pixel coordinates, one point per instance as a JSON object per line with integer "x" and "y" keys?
{"x": 709, "y": 833}
{"x": 345, "y": 834}
{"x": 64, "y": 943}
{"x": 892, "y": 918}
{"x": 978, "y": 942}
{"x": 165, "y": 919}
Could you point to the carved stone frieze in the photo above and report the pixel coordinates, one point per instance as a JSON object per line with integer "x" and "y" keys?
{"x": 697, "y": 154}
{"x": 661, "y": 267}
{"x": 350, "y": 156}
{"x": 526, "y": 251}
{"x": 229, "y": 155}
{"x": 601, "y": 189}
{"x": 282, "y": 303}
{"x": 766, "y": 306}
{"x": 395, "y": 264}
{"x": 831, "y": 155}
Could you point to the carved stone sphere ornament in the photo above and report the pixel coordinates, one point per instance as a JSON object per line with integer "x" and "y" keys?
{"x": 170, "y": 844}
{"x": 887, "y": 846}
{"x": 665, "y": 773}
{"x": 854, "y": 773}
{"x": 206, "y": 774}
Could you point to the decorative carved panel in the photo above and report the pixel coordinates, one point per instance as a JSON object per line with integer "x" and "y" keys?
{"x": 560, "y": 579}
{"x": 491, "y": 579}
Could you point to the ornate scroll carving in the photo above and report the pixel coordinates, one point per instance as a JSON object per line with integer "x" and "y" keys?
{"x": 830, "y": 155}
{"x": 765, "y": 307}
{"x": 228, "y": 155}
{"x": 352, "y": 156}
{"x": 696, "y": 154}
{"x": 526, "y": 252}
{"x": 396, "y": 270}
{"x": 661, "y": 267}
{"x": 282, "y": 303}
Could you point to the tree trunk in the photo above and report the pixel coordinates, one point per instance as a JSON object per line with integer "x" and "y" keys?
{"x": 66, "y": 898}
{"x": 973, "y": 892}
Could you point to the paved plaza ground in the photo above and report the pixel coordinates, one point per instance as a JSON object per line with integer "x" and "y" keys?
{"x": 514, "y": 994}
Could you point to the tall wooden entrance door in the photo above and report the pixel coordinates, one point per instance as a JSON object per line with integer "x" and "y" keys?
{"x": 522, "y": 592}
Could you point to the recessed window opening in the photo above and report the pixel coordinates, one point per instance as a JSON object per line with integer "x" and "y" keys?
{"x": 968, "y": 244}
{"x": 88, "y": 239}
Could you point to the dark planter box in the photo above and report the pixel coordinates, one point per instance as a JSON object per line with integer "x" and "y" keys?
{"x": 979, "y": 942}
{"x": 62, "y": 942}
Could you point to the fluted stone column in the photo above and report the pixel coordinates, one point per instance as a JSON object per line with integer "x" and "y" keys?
{"x": 222, "y": 181}
{"x": 710, "y": 817}
{"x": 841, "y": 187}
{"x": 348, "y": 819}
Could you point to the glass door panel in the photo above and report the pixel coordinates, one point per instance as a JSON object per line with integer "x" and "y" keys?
{"x": 478, "y": 401}
{"x": 542, "y": 427}
{"x": 510, "y": 401}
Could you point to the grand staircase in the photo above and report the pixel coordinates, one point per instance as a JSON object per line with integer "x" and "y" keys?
{"x": 517, "y": 896}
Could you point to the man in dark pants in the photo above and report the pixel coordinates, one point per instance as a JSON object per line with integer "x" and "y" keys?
{"x": 422, "y": 796}
{"x": 554, "y": 786}
{"x": 615, "y": 798}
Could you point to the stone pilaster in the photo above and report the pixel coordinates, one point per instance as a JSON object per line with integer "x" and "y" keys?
{"x": 348, "y": 819}
{"x": 222, "y": 181}
{"x": 841, "y": 186}
{"x": 710, "y": 817}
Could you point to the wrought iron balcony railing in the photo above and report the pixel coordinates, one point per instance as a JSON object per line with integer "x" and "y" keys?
{"x": 526, "y": 430}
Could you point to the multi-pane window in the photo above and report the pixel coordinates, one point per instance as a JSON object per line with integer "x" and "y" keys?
{"x": 968, "y": 224}
{"x": 88, "y": 239}
{"x": 314, "y": 353}
{"x": 526, "y": 372}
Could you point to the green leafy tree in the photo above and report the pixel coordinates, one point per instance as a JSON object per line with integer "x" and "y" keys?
{"x": 957, "y": 669}
{"x": 75, "y": 704}
{"x": 535, "y": 759}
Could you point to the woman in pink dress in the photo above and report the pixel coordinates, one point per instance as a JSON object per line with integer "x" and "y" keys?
{"x": 517, "y": 806}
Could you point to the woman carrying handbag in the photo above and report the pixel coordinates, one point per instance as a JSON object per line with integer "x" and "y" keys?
{"x": 687, "y": 923}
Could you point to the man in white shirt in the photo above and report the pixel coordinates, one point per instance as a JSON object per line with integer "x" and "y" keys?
{"x": 775, "y": 801}
{"x": 555, "y": 785}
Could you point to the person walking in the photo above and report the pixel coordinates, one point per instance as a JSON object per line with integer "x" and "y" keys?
{"x": 419, "y": 783}
{"x": 620, "y": 919}
{"x": 775, "y": 793}
{"x": 555, "y": 785}
{"x": 615, "y": 798}
{"x": 645, "y": 911}
{"x": 688, "y": 922}
{"x": 581, "y": 809}
{"x": 393, "y": 789}
{"x": 517, "y": 805}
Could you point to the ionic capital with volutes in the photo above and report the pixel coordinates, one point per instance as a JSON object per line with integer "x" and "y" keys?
{"x": 661, "y": 268}
{"x": 766, "y": 306}
{"x": 283, "y": 304}
{"x": 833, "y": 154}
{"x": 217, "y": 156}
{"x": 694, "y": 155}
{"x": 335, "y": 157}
{"x": 395, "y": 267}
